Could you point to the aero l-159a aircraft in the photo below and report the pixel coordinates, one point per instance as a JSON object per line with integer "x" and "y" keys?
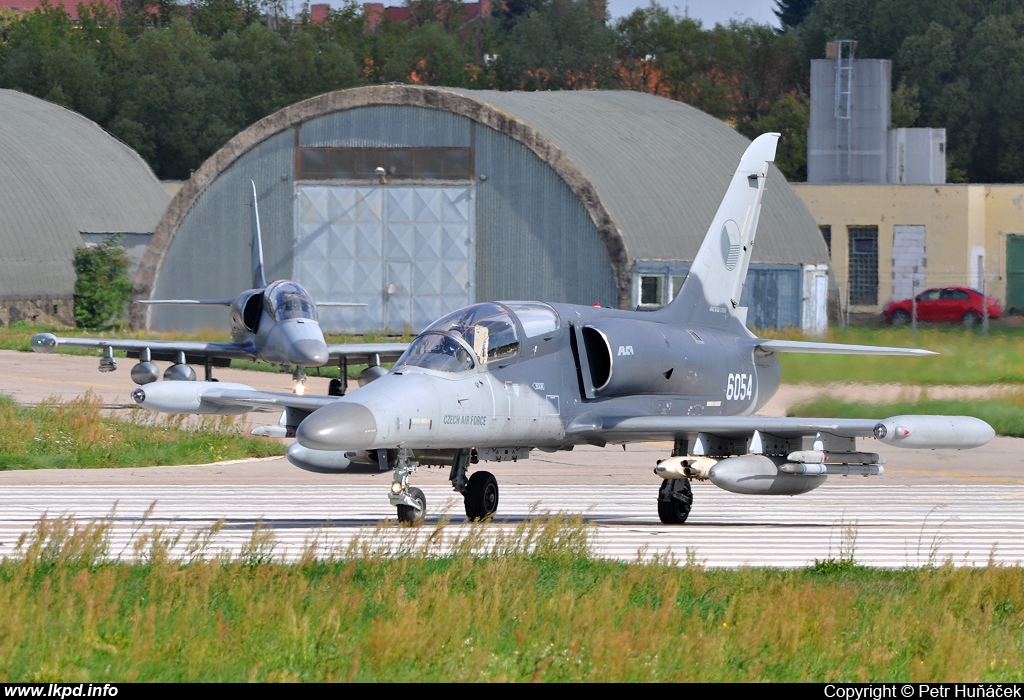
{"x": 493, "y": 381}
{"x": 275, "y": 323}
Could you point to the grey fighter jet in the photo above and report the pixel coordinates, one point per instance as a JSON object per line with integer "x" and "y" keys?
{"x": 274, "y": 323}
{"x": 493, "y": 381}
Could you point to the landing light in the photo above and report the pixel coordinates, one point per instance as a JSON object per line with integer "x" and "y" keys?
{"x": 300, "y": 388}
{"x": 396, "y": 487}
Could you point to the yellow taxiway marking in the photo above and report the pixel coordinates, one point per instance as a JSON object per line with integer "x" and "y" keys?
{"x": 63, "y": 381}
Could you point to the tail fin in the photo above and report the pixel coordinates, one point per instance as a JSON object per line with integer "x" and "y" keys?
{"x": 258, "y": 279}
{"x": 711, "y": 293}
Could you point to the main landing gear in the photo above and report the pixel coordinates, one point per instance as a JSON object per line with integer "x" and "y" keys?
{"x": 675, "y": 497}
{"x": 479, "y": 491}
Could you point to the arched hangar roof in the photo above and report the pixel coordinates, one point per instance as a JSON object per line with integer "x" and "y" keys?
{"x": 62, "y": 175}
{"x": 650, "y": 171}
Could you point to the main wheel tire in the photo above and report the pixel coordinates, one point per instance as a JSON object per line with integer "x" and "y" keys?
{"x": 675, "y": 498}
{"x": 481, "y": 498}
{"x": 971, "y": 319}
{"x": 899, "y": 318}
{"x": 410, "y": 515}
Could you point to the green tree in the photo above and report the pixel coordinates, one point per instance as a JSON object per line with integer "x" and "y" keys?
{"x": 792, "y": 13}
{"x": 102, "y": 289}
{"x": 429, "y": 56}
{"x": 180, "y": 103}
{"x": 214, "y": 18}
{"x": 790, "y": 116}
{"x": 905, "y": 106}
{"x": 736, "y": 72}
{"x": 562, "y": 44}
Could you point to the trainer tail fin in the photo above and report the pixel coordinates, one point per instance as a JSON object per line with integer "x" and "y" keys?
{"x": 258, "y": 279}
{"x": 711, "y": 293}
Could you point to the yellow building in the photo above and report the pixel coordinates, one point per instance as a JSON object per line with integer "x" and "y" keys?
{"x": 892, "y": 241}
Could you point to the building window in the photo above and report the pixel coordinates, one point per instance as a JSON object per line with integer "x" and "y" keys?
{"x": 650, "y": 290}
{"x": 677, "y": 284}
{"x": 398, "y": 163}
{"x": 863, "y": 277}
{"x": 826, "y": 233}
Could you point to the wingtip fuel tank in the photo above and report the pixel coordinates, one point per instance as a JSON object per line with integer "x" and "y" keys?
{"x": 934, "y": 432}
{"x": 188, "y": 397}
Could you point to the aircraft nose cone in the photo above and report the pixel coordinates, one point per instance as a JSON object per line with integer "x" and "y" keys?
{"x": 340, "y": 426}
{"x": 308, "y": 353}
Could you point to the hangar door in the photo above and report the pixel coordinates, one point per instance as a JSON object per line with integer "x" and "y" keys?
{"x": 772, "y": 296}
{"x": 407, "y": 252}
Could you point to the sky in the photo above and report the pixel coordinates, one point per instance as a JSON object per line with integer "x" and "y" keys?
{"x": 709, "y": 12}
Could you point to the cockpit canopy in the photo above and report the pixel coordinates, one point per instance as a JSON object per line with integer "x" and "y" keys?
{"x": 489, "y": 330}
{"x": 284, "y": 300}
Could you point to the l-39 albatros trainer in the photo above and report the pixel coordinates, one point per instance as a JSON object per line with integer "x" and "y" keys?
{"x": 493, "y": 381}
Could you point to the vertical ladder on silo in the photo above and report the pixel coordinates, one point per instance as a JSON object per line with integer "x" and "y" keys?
{"x": 844, "y": 108}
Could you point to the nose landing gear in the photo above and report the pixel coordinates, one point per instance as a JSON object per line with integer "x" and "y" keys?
{"x": 409, "y": 501}
{"x": 479, "y": 491}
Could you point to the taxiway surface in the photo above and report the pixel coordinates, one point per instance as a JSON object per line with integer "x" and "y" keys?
{"x": 929, "y": 507}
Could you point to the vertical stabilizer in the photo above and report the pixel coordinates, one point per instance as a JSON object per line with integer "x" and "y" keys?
{"x": 258, "y": 279}
{"x": 711, "y": 293}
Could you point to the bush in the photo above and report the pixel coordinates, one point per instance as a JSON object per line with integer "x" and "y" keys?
{"x": 103, "y": 288}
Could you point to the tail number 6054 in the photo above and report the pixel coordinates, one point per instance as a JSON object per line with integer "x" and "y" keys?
{"x": 740, "y": 387}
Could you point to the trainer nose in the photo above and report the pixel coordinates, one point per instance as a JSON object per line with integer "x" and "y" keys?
{"x": 308, "y": 353}
{"x": 340, "y": 426}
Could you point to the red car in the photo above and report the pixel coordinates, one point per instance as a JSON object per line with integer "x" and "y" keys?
{"x": 951, "y": 305}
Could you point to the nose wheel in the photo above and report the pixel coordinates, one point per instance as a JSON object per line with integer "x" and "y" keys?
{"x": 409, "y": 501}
{"x": 411, "y": 515}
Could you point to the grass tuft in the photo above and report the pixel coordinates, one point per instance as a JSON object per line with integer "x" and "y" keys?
{"x": 534, "y": 604}
{"x": 80, "y": 434}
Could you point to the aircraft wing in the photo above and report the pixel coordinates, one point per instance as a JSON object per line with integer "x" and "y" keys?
{"x": 267, "y": 400}
{"x": 224, "y": 398}
{"x": 935, "y": 432}
{"x": 837, "y": 348}
{"x": 196, "y": 352}
{"x": 185, "y": 302}
{"x": 364, "y": 352}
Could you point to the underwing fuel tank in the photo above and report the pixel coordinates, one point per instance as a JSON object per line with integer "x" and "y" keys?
{"x": 187, "y": 397}
{"x": 934, "y": 432}
{"x": 760, "y": 475}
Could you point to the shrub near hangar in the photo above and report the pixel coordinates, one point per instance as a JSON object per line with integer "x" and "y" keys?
{"x": 580, "y": 197}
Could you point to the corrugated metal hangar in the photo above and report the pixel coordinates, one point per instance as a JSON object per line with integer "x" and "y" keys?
{"x": 62, "y": 177}
{"x": 416, "y": 201}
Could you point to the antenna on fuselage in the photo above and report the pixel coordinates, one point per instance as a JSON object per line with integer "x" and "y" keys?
{"x": 258, "y": 279}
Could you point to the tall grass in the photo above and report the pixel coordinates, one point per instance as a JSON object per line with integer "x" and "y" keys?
{"x": 79, "y": 434}
{"x": 537, "y": 606}
{"x": 1005, "y": 415}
